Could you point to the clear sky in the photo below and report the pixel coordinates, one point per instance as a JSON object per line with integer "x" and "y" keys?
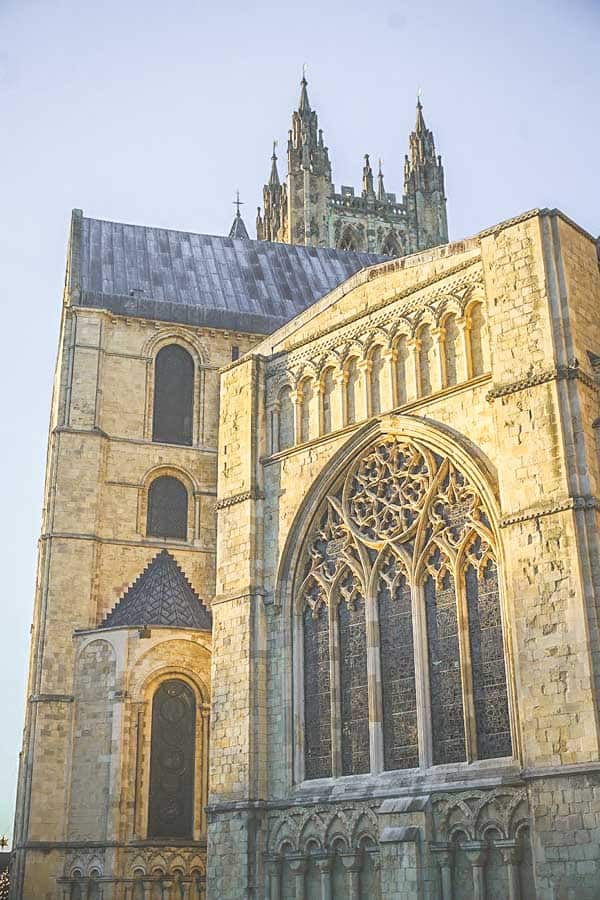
{"x": 155, "y": 112}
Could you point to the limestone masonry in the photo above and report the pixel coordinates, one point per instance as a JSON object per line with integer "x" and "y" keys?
{"x": 318, "y": 593}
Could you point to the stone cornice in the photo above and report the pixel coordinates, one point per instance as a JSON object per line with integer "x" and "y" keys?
{"x": 583, "y": 501}
{"x": 388, "y": 301}
{"x": 558, "y": 373}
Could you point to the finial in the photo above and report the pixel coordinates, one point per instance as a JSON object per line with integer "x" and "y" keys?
{"x": 237, "y": 203}
{"x": 304, "y": 71}
{"x": 274, "y": 149}
{"x": 380, "y": 166}
{"x": 419, "y": 95}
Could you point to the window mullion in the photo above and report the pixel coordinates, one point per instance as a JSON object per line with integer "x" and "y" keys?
{"x": 466, "y": 673}
{"x": 422, "y": 676}
{"x": 334, "y": 679}
{"x": 374, "y": 683}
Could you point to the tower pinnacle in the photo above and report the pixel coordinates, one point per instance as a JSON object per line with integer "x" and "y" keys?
{"x": 304, "y": 103}
{"x": 238, "y": 229}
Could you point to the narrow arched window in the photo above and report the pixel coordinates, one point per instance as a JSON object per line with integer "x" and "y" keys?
{"x": 349, "y": 240}
{"x": 76, "y": 892}
{"x": 375, "y": 376}
{"x": 490, "y": 695}
{"x": 172, "y": 761}
{"x": 167, "y": 508}
{"x": 351, "y": 390}
{"x": 425, "y": 360}
{"x": 447, "y": 714}
{"x": 173, "y": 418}
{"x": 306, "y": 411}
{"x": 328, "y": 383}
{"x": 317, "y": 685}
{"x": 93, "y": 892}
{"x": 452, "y": 351}
{"x": 478, "y": 340}
{"x": 286, "y": 419}
{"x": 354, "y": 700}
{"x": 402, "y": 363}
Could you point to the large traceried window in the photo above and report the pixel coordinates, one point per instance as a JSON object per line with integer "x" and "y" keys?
{"x": 401, "y": 556}
{"x": 173, "y": 418}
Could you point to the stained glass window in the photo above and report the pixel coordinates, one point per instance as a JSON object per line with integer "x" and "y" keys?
{"x": 317, "y": 702}
{"x": 400, "y": 742}
{"x": 353, "y": 685}
{"x": 487, "y": 662}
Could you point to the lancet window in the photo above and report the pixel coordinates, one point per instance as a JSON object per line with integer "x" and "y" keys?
{"x": 401, "y": 556}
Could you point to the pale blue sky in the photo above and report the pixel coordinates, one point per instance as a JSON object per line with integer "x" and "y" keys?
{"x": 155, "y": 112}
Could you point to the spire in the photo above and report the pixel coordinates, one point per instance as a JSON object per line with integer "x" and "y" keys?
{"x": 304, "y": 103}
{"x": 380, "y": 188}
{"x": 420, "y": 124}
{"x": 274, "y": 176}
{"x": 367, "y": 187}
{"x": 238, "y": 229}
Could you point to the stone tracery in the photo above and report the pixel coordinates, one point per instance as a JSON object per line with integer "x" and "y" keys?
{"x": 404, "y": 530}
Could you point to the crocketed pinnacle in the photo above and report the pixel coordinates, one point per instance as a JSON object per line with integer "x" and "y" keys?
{"x": 380, "y": 187}
{"x": 420, "y": 126}
{"x": 274, "y": 176}
{"x": 304, "y": 104}
{"x": 367, "y": 185}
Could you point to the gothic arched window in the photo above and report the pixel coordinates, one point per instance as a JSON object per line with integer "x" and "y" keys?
{"x": 391, "y": 245}
{"x": 377, "y": 363}
{"x": 307, "y": 394}
{"x": 349, "y": 239}
{"x": 352, "y": 378}
{"x": 172, "y": 761}
{"x": 167, "y": 508}
{"x": 401, "y": 555}
{"x": 426, "y": 360}
{"x": 285, "y": 436}
{"x": 173, "y": 418}
{"x": 327, "y": 393}
{"x": 478, "y": 340}
{"x": 402, "y": 364}
{"x": 453, "y": 355}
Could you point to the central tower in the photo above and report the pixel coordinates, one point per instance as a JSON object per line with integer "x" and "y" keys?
{"x": 307, "y": 209}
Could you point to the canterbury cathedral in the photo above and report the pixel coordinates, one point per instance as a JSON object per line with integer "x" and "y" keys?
{"x": 317, "y": 609}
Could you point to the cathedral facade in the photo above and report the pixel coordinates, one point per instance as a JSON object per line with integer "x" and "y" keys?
{"x": 319, "y": 576}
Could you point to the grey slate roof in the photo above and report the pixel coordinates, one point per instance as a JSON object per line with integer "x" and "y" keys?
{"x": 160, "y": 596}
{"x": 201, "y": 279}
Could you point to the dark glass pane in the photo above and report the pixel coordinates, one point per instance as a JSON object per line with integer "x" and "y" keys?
{"x": 445, "y": 683}
{"x": 173, "y": 396}
{"x": 167, "y": 508}
{"x": 353, "y": 687}
{"x": 317, "y": 702}
{"x": 487, "y": 658}
{"x": 400, "y": 741}
{"x": 171, "y": 804}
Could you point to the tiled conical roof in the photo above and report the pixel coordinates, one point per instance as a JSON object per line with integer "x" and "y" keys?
{"x": 161, "y": 595}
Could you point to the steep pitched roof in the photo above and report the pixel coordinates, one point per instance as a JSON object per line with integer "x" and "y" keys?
{"x": 199, "y": 279}
{"x": 238, "y": 229}
{"x": 161, "y": 595}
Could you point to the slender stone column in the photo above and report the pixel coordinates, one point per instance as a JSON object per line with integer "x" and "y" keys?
{"x": 338, "y": 401}
{"x": 274, "y": 874}
{"x": 443, "y": 856}
{"x": 476, "y": 854}
{"x": 324, "y": 867}
{"x": 298, "y": 869}
{"x": 511, "y": 854}
{"x": 352, "y": 864}
{"x": 388, "y": 382}
{"x": 363, "y": 394}
{"x": 413, "y": 370}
